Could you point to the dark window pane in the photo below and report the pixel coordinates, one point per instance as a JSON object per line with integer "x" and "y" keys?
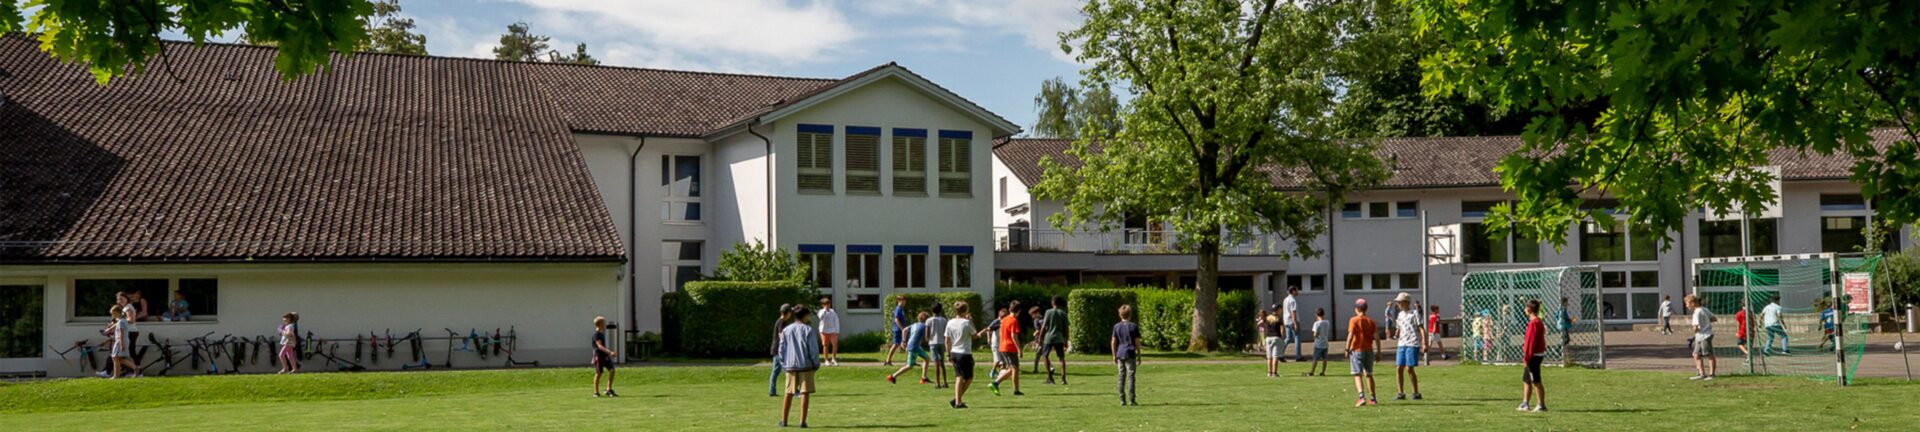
{"x": 1645, "y": 279}
{"x": 1645, "y": 246}
{"x": 1382, "y": 281}
{"x": 1599, "y": 244}
{"x": 1377, "y": 209}
{"x": 689, "y": 251}
{"x": 1613, "y": 279}
{"x": 1842, "y": 234}
{"x": 1764, "y": 237}
{"x": 686, "y": 176}
{"x": 863, "y": 301}
{"x": 1407, "y": 209}
{"x": 22, "y": 317}
{"x": 1350, "y": 210}
{"x": 203, "y": 297}
{"x": 1842, "y": 202}
{"x": 1525, "y": 249}
{"x": 92, "y": 297}
{"x": 1409, "y": 281}
{"x": 1477, "y": 208}
{"x": 1319, "y": 282}
{"x": 1292, "y": 281}
{"x": 1352, "y": 281}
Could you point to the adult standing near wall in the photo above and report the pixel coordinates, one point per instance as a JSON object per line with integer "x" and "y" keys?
{"x": 1291, "y": 311}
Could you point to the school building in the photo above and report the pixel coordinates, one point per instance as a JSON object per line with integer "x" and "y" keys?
{"x": 1373, "y": 249}
{"x": 432, "y": 193}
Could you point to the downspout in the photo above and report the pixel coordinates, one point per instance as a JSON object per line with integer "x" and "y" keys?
{"x": 769, "y": 208}
{"x": 633, "y": 234}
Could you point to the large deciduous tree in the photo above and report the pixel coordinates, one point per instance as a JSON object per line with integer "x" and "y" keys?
{"x": 1227, "y": 96}
{"x": 1671, "y": 105}
{"x": 117, "y": 38}
{"x": 1380, "y": 73}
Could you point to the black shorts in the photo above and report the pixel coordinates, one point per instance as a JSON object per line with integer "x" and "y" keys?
{"x": 602, "y": 363}
{"x": 962, "y": 365}
{"x": 1532, "y": 374}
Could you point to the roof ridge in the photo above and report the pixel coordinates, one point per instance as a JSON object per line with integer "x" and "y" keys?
{"x": 488, "y": 60}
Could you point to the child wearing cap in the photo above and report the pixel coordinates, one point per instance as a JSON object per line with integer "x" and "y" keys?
{"x": 1406, "y": 356}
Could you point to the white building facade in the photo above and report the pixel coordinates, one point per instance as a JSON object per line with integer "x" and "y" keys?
{"x": 1374, "y": 246}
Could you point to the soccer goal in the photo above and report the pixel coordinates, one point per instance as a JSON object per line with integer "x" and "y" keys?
{"x": 1802, "y": 320}
{"x": 1494, "y": 303}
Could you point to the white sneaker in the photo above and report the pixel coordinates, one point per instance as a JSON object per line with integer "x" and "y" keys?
{"x": 1696, "y": 377}
{"x": 1523, "y": 407}
{"x": 1708, "y": 378}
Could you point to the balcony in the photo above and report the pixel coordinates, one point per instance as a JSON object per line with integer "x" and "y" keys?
{"x": 1121, "y": 241}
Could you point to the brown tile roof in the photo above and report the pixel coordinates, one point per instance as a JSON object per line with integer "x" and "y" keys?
{"x": 662, "y": 102}
{"x": 383, "y": 158}
{"x": 1438, "y": 162}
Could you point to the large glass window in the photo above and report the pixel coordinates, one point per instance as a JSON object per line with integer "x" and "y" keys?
{"x": 956, "y": 163}
{"x": 909, "y": 268}
{"x": 863, "y": 160}
{"x": 92, "y": 297}
{"x": 1510, "y": 248}
{"x": 22, "y": 323}
{"x": 909, "y": 161}
{"x": 956, "y": 270}
{"x": 680, "y": 177}
{"x": 680, "y": 263}
{"x": 1307, "y": 282}
{"x": 1722, "y": 238}
{"x": 863, "y": 277}
{"x": 1613, "y": 244}
{"x": 819, "y": 262}
{"x": 814, "y": 155}
{"x": 1848, "y": 234}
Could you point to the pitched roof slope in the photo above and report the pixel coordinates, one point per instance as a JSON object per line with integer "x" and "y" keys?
{"x": 1434, "y": 162}
{"x": 383, "y": 158}
{"x": 661, "y": 102}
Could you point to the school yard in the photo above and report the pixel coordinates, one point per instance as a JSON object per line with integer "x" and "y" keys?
{"x": 1177, "y": 392}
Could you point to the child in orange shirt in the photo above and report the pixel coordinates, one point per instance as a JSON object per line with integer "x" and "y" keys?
{"x": 1360, "y": 334}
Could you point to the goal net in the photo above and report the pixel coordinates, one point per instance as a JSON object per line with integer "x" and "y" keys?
{"x": 1494, "y": 304}
{"x": 1794, "y": 307}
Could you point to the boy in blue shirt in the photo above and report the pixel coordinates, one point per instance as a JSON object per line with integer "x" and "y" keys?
{"x": 800, "y": 354}
{"x": 916, "y": 350}
{"x": 1126, "y": 354}
{"x": 899, "y": 327}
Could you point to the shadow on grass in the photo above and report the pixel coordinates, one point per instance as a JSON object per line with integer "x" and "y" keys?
{"x": 1614, "y": 410}
{"x": 875, "y": 426}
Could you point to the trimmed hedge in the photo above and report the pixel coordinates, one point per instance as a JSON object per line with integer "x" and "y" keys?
{"x": 1166, "y": 319}
{"x": 1092, "y": 313}
{"x": 724, "y": 318}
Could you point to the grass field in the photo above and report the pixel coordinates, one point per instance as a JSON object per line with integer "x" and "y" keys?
{"x": 1175, "y": 395}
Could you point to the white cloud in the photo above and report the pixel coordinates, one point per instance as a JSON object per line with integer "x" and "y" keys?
{"x": 1037, "y": 22}
{"x": 765, "y": 29}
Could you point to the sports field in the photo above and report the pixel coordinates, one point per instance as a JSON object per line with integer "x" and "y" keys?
{"x": 1175, "y": 394}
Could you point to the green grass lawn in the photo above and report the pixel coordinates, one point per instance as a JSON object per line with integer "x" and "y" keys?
{"x": 1174, "y": 396}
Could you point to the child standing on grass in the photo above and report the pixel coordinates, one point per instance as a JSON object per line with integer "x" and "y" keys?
{"x": 1705, "y": 364}
{"x": 1666, "y": 314}
{"x": 1406, "y": 355}
{"x": 122, "y": 362}
{"x": 1535, "y": 351}
{"x": 1740, "y": 331}
{"x": 959, "y": 338}
{"x": 1360, "y": 334}
{"x": 1322, "y": 330}
{"x": 800, "y": 352}
{"x": 993, "y": 341}
{"x": 829, "y": 330}
{"x": 779, "y": 325}
{"x": 1125, "y": 346}
{"x": 602, "y": 357}
{"x": 290, "y": 343}
{"x": 1434, "y": 335}
{"x": 1270, "y": 326}
{"x": 937, "y": 345}
{"x": 899, "y": 324}
{"x": 916, "y": 349}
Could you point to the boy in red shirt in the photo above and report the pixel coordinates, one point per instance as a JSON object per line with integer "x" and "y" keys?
{"x": 1535, "y": 351}
{"x": 1434, "y": 335}
{"x": 1009, "y": 353}
{"x": 1740, "y": 334}
{"x": 1360, "y": 333}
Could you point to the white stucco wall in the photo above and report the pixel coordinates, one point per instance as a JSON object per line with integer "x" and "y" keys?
{"x": 550, "y": 305}
{"x": 841, "y": 219}
{"x": 1016, "y": 195}
{"x": 607, "y": 158}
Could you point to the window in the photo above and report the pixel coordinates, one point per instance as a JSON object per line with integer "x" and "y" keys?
{"x": 909, "y": 266}
{"x": 21, "y": 309}
{"x": 863, "y": 160}
{"x": 956, "y": 267}
{"x": 1380, "y": 281}
{"x": 910, "y": 162}
{"x": 1510, "y": 248}
{"x": 1314, "y": 282}
{"x": 1003, "y": 191}
{"x": 680, "y": 177}
{"x": 1477, "y": 209}
{"x": 1841, "y": 202}
{"x": 863, "y": 277}
{"x": 1630, "y": 295}
{"x": 92, "y": 297}
{"x": 956, "y": 163}
{"x": 819, "y": 261}
{"x": 1380, "y": 210}
{"x": 1842, "y": 233}
{"x": 814, "y": 154}
{"x": 1722, "y": 238}
{"x": 680, "y": 263}
{"x": 1613, "y": 244}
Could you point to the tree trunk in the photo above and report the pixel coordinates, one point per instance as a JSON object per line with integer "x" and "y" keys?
{"x": 1206, "y": 298}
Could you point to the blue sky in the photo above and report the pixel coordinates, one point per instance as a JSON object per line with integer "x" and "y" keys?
{"x": 994, "y": 52}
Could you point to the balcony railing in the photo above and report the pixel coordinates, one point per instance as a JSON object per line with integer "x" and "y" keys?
{"x": 1137, "y": 241}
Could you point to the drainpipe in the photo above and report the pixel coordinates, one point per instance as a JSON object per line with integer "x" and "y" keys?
{"x": 769, "y": 207}
{"x": 633, "y": 234}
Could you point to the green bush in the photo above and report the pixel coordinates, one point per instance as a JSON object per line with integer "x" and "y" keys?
{"x": 757, "y": 262}
{"x": 726, "y": 318}
{"x": 1166, "y": 318}
{"x": 1237, "y": 310}
{"x": 867, "y": 342}
{"x": 1092, "y": 314}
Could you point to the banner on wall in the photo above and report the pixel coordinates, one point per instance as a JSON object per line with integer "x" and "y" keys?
{"x": 1859, "y": 290}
